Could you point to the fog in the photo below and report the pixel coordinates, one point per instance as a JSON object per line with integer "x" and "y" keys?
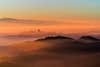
{"x": 52, "y": 53}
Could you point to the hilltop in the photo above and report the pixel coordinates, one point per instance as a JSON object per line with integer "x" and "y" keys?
{"x": 55, "y": 51}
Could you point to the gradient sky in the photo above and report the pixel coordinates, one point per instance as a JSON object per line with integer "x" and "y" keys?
{"x": 74, "y": 15}
{"x": 50, "y": 8}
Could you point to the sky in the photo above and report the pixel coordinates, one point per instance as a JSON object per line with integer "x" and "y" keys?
{"x": 55, "y": 15}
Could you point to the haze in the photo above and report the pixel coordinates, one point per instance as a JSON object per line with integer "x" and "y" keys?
{"x": 66, "y": 16}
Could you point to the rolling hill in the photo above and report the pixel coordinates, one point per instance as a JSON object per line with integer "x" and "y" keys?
{"x": 55, "y": 51}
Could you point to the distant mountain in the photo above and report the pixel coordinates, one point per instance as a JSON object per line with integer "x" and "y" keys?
{"x": 14, "y": 20}
{"x": 91, "y": 38}
{"x": 8, "y": 19}
{"x": 28, "y": 21}
{"x": 55, "y": 37}
{"x": 60, "y": 44}
{"x": 54, "y": 51}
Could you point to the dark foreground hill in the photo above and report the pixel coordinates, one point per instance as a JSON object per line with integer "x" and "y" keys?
{"x": 54, "y": 38}
{"x": 56, "y": 51}
{"x": 90, "y": 38}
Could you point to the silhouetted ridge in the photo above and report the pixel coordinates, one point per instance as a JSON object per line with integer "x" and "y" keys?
{"x": 55, "y": 37}
{"x": 8, "y": 19}
{"x": 89, "y": 38}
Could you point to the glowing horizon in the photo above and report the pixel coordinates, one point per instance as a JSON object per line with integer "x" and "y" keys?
{"x": 59, "y": 15}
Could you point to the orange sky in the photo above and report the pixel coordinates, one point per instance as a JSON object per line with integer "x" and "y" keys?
{"x": 68, "y": 16}
{"x": 65, "y": 26}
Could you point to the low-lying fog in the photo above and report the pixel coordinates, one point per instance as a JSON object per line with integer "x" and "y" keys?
{"x": 51, "y": 53}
